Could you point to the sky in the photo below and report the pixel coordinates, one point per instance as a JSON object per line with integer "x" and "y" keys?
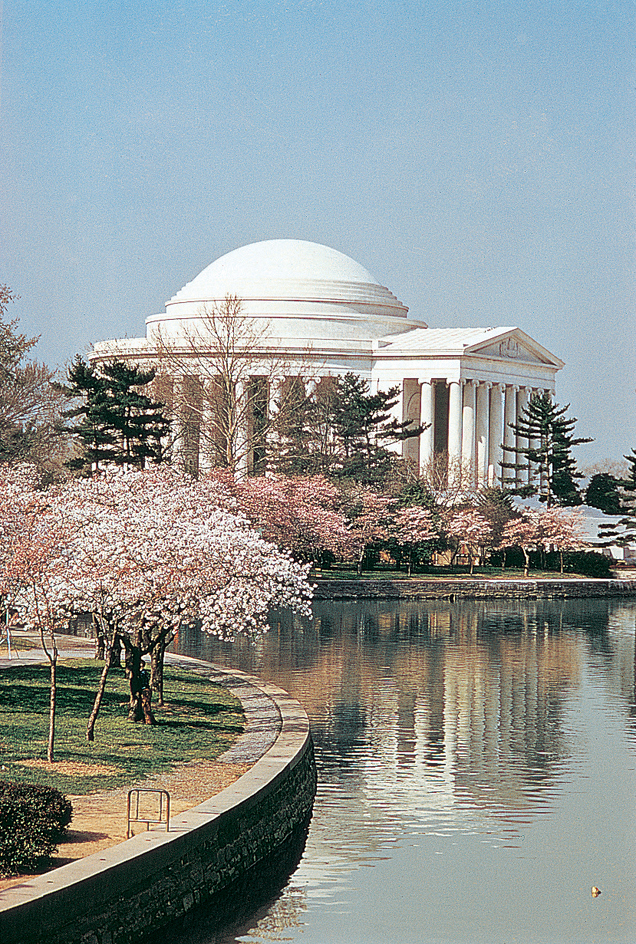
{"x": 477, "y": 156}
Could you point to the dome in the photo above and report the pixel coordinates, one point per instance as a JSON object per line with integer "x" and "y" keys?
{"x": 285, "y": 269}
{"x": 264, "y": 266}
{"x": 305, "y": 291}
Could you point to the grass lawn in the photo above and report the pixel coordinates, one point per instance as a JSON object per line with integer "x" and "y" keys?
{"x": 199, "y": 721}
{"x": 438, "y": 573}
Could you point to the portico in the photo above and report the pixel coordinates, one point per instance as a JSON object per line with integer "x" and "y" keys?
{"x": 471, "y": 385}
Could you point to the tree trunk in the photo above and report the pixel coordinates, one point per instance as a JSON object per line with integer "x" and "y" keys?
{"x": 360, "y": 559}
{"x": 90, "y": 727}
{"x": 52, "y": 658}
{"x": 133, "y": 674}
{"x": 49, "y": 748}
{"x": 139, "y": 706}
{"x": 114, "y": 655}
{"x": 100, "y": 646}
{"x": 156, "y": 668}
{"x": 146, "y": 706}
{"x": 526, "y": 562}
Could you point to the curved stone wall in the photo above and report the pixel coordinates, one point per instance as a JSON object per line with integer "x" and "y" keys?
{"x": 127, "y": 892}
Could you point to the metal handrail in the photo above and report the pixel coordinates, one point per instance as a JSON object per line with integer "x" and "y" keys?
{"x": 134, "y": 817}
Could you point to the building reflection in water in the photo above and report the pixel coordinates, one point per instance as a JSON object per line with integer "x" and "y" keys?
{"x": 448, "y": 717}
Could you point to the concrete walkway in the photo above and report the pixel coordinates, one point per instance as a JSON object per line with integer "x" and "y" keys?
{"x": 69, "y": 647}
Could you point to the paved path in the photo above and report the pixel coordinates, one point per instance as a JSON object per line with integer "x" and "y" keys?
{"x": 69, "y": 647}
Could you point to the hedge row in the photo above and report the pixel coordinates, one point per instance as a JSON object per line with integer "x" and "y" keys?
{"x": 33, "y": 820}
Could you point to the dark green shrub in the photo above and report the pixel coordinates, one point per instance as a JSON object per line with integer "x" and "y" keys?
{"x": 588, "y": 563}
{"x": 33, "y": 820}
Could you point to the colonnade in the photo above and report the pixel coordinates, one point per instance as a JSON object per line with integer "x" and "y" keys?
{"x": 469, "y": 421}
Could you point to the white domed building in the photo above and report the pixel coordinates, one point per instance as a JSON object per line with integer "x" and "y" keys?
{"x": 321, "y": 314}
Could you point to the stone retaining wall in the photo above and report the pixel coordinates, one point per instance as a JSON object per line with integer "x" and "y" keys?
{"x": 470, "y": 589}
{"x": 126, "y": 893}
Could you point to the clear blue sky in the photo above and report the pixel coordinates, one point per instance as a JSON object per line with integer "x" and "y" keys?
{"x": 477, "y": 157}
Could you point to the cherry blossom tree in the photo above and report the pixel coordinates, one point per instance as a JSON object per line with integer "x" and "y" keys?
{"x": 300, "y": 514}
{"x": 180, "y": 556}
{"x": 410, "y": 528}
{"x": 369, "y": 514}
{"x": 32, "y": 566}
{"x": 144, "y": 552}
{"x": 467, "y": 527}
{"x": 561, "y": 531}
{"x": 552, "y": 528}
{"x": 521, "y": 532}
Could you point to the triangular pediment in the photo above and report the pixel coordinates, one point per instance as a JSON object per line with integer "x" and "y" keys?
{"x": 508, "y": 344}
{"x": 514, "y": 345}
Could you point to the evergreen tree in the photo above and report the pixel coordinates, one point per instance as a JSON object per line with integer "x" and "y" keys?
{"x": 603, "y": 492}
{"x": 116, "y": 422}
{"x": 623, "y": 531}
{"x": 30, "y": 403}
{"x": 627, "y": 488}
{"x": 364, "y": 429}
{"x": 496, "y": 506}
{"x": 548, "y": 433}
{"x": 302, "y": 442}
{"x": 342, "y": 431}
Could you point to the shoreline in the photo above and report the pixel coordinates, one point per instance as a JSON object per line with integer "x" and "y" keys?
{"x": 115, "y": 894}
{"x": 466, "y": 587}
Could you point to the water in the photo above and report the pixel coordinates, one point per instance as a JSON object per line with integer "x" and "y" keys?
{"x": 477, "y": 773}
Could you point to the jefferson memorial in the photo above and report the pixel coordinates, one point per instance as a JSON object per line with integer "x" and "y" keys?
{"x": 323, "y": 315}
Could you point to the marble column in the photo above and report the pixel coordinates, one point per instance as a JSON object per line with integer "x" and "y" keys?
{"x": 468, "y": 430}
{"x": 523, "y": 398}
{"x": 207, "y": 431}
{"x": 240, "y": 431}
{"x": 426, "y": 419}
{"x": 454, "y": 431}
{"x": 510, "y": 418}
{"x": 495, "y": 437}
{"x": 275, "y": 401}
{"x": 178, "y": 422}
{"x": 482, "y": 431}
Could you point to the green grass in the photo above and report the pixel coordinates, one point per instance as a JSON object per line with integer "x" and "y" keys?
{"x": 435, "y": 573}
{"x": 199, "y": 721}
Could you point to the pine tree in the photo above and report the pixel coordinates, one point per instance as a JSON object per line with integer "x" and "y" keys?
{"x": 622, "y": 531}
{"x": 364, "y": 429}
{"x": 342, "y": 431}
{"x": 548, "y": 433}
{"x": 302, "y": 442}
{"x": 30, "y": 403}
{"x": 496, "y": 506}
{"x": 116, "y": 422}
{"x": 603, "y": 492}
{"x": 627, "y": 488}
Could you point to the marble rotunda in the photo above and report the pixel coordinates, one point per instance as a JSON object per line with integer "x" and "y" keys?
{"x": 321, "y": 312}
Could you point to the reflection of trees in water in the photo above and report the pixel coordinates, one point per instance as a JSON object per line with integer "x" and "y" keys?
{"x": 471, "y": 691}
{"x": 441, "y": 688}
{"x": 615, "y": 655}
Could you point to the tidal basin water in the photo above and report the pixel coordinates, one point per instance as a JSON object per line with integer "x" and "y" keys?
{"x": 477, "y": 773}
